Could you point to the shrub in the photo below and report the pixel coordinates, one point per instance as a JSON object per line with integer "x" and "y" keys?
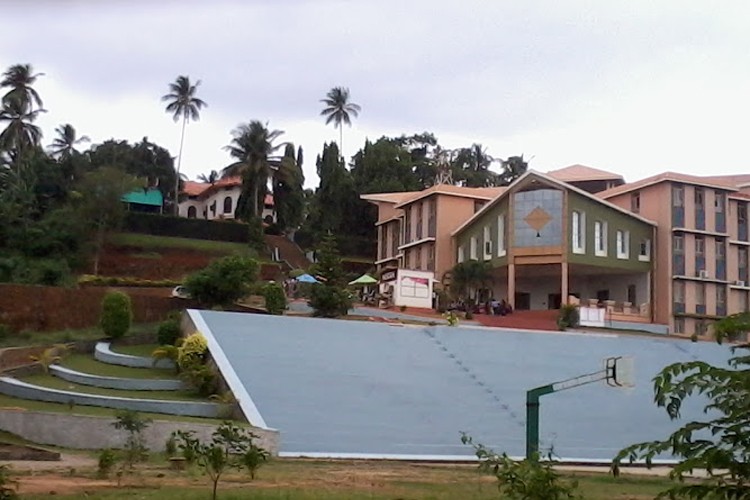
{"x": 568, "y": 316}
{"x": 170, "y": 446}
{"x": 167, "y": 225}
{"x": 107, "y": 460}
{"x": 124, "y": 281}
{"x": 224, "y": 281}
{"x": 201, "y": 378}
{"x": 134, "y": 424}
{"x": 192, "y": 351}
{"x": 275, "y": 298}
{"x": 117, "y": 314}
{"x": 451, "y": 318}
{"x": 168, "y": 332}
{"x": 7, "y": 485}
{"x": 4, "y": 332}
{"x": 329, "y": 301}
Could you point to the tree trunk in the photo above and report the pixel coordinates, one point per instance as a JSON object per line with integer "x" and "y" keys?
{"x": 255, "y": 199}
{"x": 216, "y": 484}
{"x": 341, "y": 142}
{"x": 179, "y": 163}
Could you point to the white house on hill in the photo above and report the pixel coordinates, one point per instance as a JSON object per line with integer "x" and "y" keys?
{"x": 204, "y": 200}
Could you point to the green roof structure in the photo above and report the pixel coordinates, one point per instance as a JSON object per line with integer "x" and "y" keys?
{"x": 150, "y": 197}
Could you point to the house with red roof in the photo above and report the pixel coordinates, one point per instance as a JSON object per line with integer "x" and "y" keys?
{"x": 218, "y": 200}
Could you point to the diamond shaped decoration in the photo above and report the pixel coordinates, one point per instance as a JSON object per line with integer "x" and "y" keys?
{"x": 538, "y": 218}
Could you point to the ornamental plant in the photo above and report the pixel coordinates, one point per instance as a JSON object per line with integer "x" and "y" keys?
{"x": 117, "y": 314}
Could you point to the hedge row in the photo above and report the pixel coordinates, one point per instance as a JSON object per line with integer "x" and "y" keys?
{"x": 169, "y": 225}
{"x": 91, "y": 280}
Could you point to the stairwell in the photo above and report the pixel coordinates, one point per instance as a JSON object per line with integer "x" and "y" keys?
{"x": 289, "y": 253}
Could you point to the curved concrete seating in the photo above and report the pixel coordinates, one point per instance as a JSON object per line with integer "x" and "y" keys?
{"x": 104, "y": 353}
{"x": 129, "y": 384}
{"x": 18, "y": 389}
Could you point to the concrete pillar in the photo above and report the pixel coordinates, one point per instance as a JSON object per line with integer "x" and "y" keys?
{"x": 512, "y": 285}
{"x": 564, "y": 282}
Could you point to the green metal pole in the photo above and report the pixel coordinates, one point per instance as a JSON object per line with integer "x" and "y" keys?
{"x": 532, "y": 419}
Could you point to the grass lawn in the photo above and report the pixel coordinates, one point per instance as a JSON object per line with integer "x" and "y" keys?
{"x": 150, "y": 242}
{"x": 87, "y": 364}
{"x": 143, "y": 350}
{"x": 53, "y": 382}
{"x": 28, "y": 338}
{"x": 350, "y": 480}
{"x": 25, "y": 404}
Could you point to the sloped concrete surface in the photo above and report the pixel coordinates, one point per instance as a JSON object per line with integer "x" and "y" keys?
{"x": 131, "y": 384}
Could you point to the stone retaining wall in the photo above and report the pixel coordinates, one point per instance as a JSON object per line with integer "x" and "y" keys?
{"x": 128, "y": 384}
{"x": 103, "y": 353}
{"x": 94, "y": 433}
{"x": 18, "y": 389}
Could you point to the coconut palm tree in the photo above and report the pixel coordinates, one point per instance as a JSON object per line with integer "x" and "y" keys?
{"x": 253, "y": 146}
{"x": 20, "y": 132}
{"x": 20, "y": 78}
{"x": 183, "y": 104}
{"x": 64, "y": 145}
{"x": 469, "y": 276}
{"x": 339, "y": 110}
{"x": 211, "y": 178}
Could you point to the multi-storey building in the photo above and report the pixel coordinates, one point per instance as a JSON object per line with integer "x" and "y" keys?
{"x": 546, "y": 240}
{"x": 702, "y": 243}
{"x": 414, "y": 227}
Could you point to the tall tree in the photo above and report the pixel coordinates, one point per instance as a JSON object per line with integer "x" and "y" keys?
{"x": 384, "y": 166}
{"x": 211, "y": 178}
{"x": 252, "y": 146}
{"x": 288, "y": 191}
{"x": 471, "y": 166}
{"x": 513, "y": 168}
{"x": 19, "y": 78}
{"x": 20, "y": 133}
{"x": 64, "y": 145}
{"x": 182, "y": 104}
{"x": 339, "y": 110}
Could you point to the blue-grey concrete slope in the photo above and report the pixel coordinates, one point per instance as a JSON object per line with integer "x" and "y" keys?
{"x": 104, "y": 353}
{"x": 336, "y": 387}
{"x": 18, "y": 389}
{"x": 131, "y": 384}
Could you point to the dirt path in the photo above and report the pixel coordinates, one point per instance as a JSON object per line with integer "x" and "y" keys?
{"x": 67, "y": 461}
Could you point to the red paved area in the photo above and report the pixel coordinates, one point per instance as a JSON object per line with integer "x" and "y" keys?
{"x": 528, "y": 320}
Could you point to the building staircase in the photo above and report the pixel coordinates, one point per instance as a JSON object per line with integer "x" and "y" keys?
{"x": 285, "y": 251}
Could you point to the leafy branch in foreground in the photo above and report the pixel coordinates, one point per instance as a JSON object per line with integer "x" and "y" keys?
{"x": 719, "y": 444}
{"x": 533, "y": 479}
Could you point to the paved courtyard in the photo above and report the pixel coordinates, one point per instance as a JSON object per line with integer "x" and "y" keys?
{"x": 342, "y": 387}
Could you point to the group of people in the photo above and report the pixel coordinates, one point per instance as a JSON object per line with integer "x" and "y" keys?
{"x": 496, "y": 308}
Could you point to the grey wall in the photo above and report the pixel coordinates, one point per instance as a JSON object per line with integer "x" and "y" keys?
{"x": 103, "y": 353}
{"x": 17, "y": 389}
{"x": 133, "y": 384}
{"x": 89, "y": 432}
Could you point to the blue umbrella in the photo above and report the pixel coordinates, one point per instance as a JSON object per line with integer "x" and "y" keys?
{"x": 306, "y": 278}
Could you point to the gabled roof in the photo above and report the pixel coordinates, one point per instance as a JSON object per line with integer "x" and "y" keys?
{"x": 578, "y": 173}
{"x": 192, "y": 188}
{"x": 736, "y": 180}
{"x": 553, "y": 181}
{"x": 664, "y": 177}
{"x": 481, "y": 193}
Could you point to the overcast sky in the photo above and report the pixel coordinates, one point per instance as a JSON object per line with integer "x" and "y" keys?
{"x": 635, "y": 87}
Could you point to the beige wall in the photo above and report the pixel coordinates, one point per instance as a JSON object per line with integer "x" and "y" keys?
{"x": 451, "y": 213}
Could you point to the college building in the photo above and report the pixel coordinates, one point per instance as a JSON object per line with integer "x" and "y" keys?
{"x": 670, "y": 250}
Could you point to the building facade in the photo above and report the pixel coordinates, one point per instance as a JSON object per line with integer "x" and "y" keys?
{"x": 218, "y": 200}
{"x": 414, "y": 228}
{"x": 702, "y": 239}
{"x": 547, "y": 241}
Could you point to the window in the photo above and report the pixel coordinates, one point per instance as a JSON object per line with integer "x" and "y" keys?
{"x": 461, "y": 256}
{"x": 383, "y": 235}
{"x": 418, "y": 216}
{"x": 579, "y": 232}
{"x": 742, "y": 213}
{"x": 721, "y": 249}
{"x": 700, "y": 246}
{"x": 678, "y": 244}
{"x": 678, "y": 196}
{"x": 501, "y": 235}
{"x": 600, "y": 238}
{"x": 418, "y": 251}
{"x": 699, "y": 198}
{"x": 721, "y": 300}
{"x": 487, "y": 239}
{"x": 719, "y": 200}
{"x": 644, "y": 251}
{"x": 679, "y": 292}
{"x": 679, "y": 325}
{"x": 191, "y": 213}
{"x": 432, "y": 218}
{"x": 700, "y": 296}
{"x": 407, "y": 226}
{"x": 228, "y": 205}
{"x": 431, "y": 258}
{"x": 473, "y": 248}
{"x": 623, "y": 244}
{"x": 635, "y": 203}
{"x": 700, "y": 327}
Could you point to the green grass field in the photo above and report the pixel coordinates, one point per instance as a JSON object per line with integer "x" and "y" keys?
{"x": 143, "y": 350}
{"x": 53, "y": 382}
{"x": 151, "y": 242}
{"x": 87, "y": 364}
{"x": 349, "y": 480}
{"x": 29, "y": 338}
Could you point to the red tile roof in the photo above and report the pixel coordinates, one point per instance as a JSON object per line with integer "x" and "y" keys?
{"x": 577, "y": 173}
{"x": 483, "y": 193}
{"x": 192, "y": 188}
